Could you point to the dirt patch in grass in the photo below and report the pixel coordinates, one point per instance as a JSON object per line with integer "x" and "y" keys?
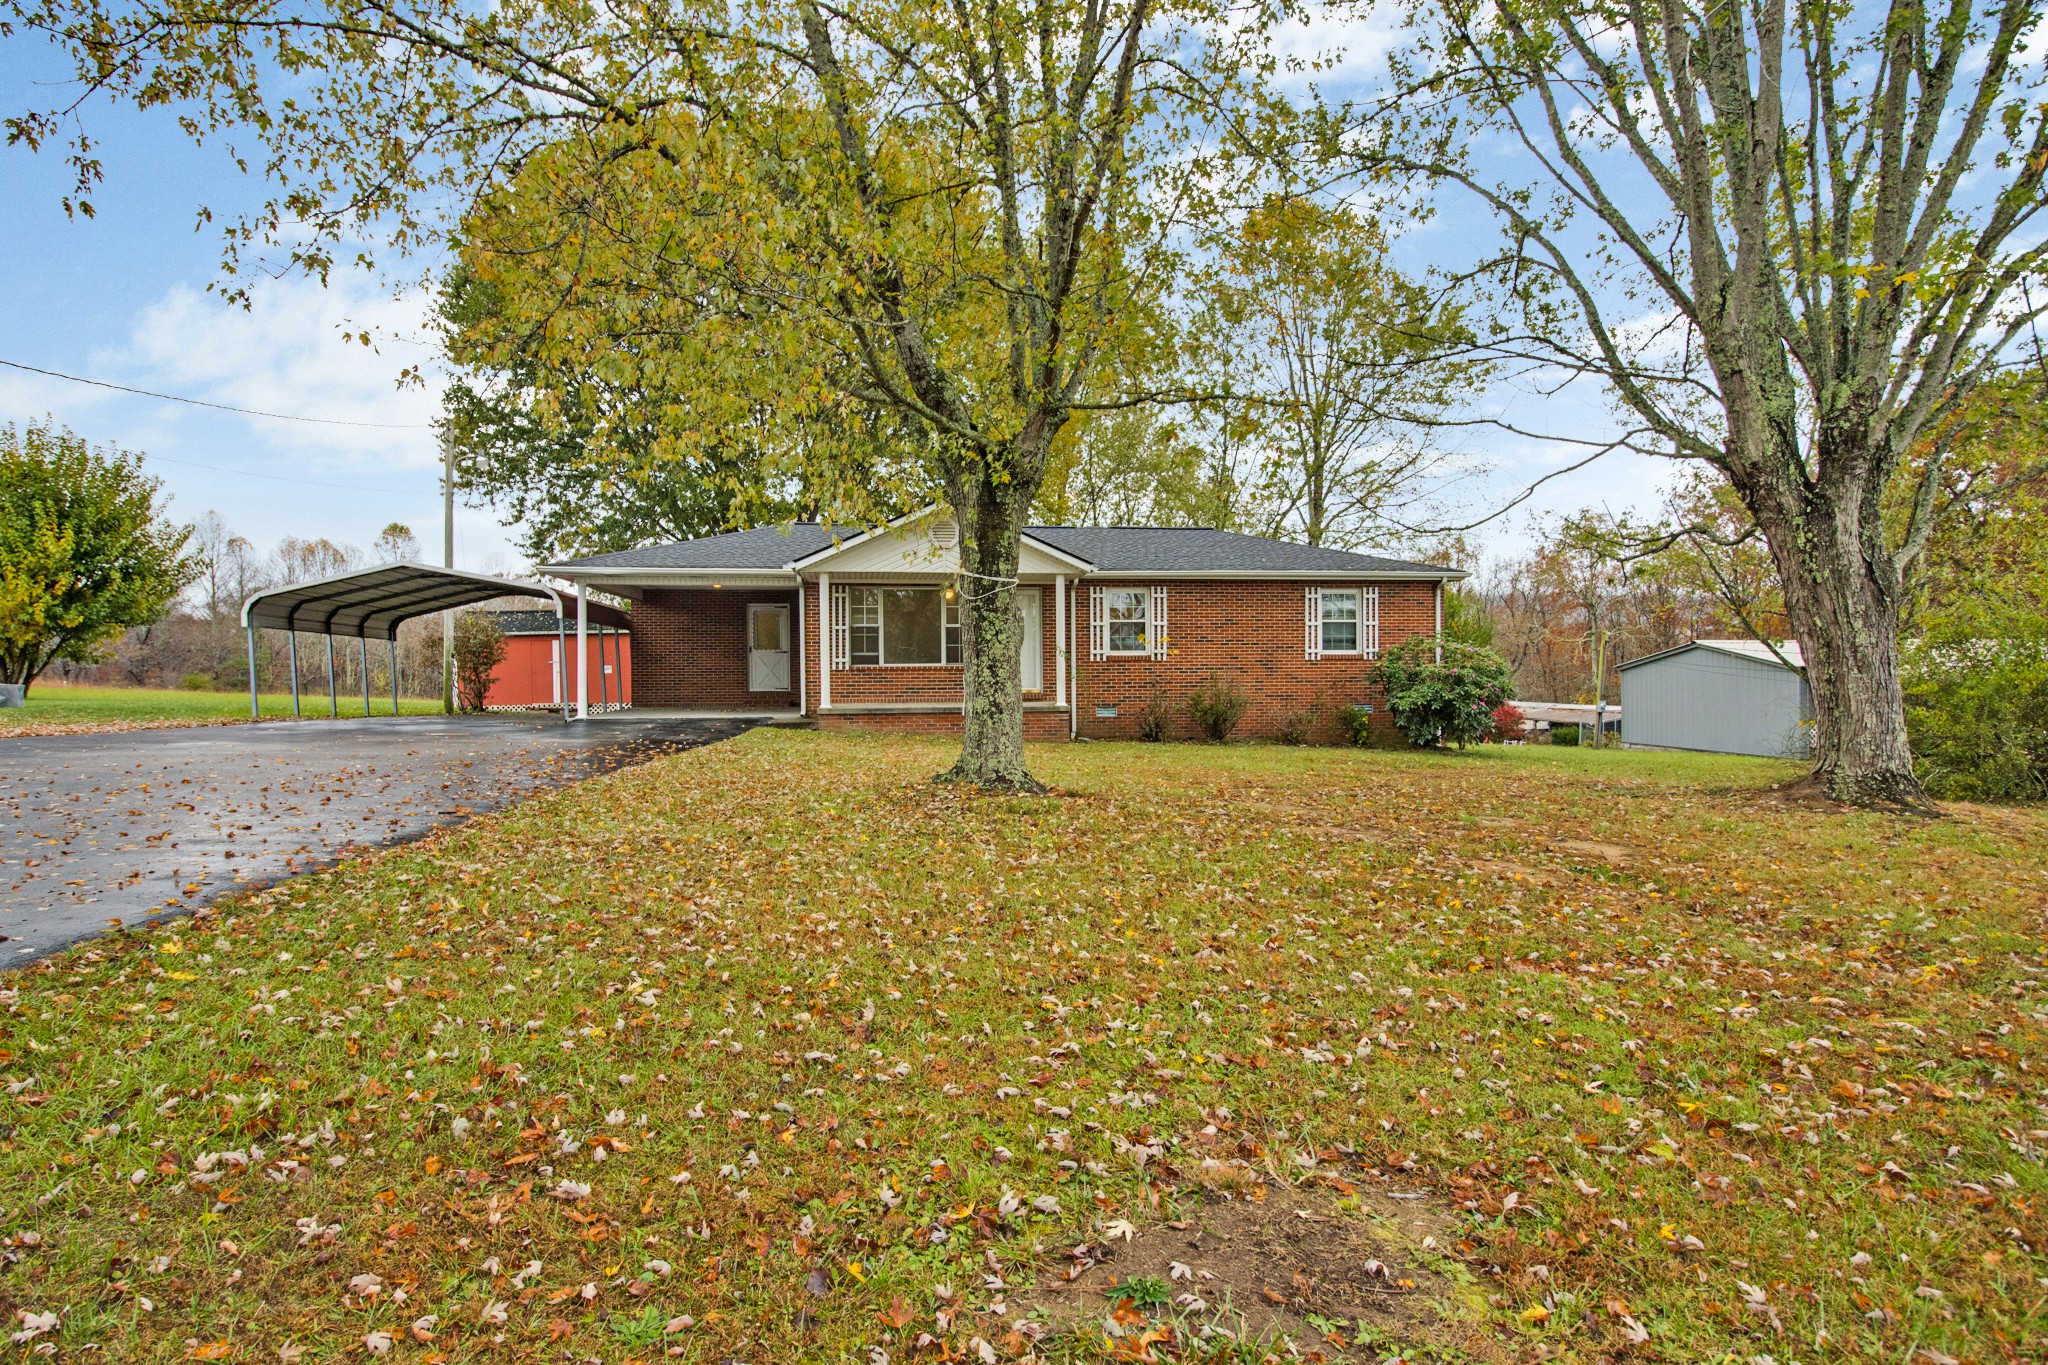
{"x": 1612, "y": 854}
{"x": 1310, "y": 1271}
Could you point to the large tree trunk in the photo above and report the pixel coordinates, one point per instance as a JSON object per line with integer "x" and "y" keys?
{"x": 1842, "y": 595}
{"x": 991, "y": 635}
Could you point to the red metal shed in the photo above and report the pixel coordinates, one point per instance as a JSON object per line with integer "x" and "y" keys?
{"x": 531, "y": 675}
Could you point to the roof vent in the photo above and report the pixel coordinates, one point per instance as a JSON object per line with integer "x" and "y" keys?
{"x": 945, "y": 533}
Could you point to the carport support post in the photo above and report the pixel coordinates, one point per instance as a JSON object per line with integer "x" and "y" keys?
{"x": 333, "y": 707}
{"x": 582, "y": 652}
{"x": 604, "y": 682}
{"x": 561, "y": 662}
{"x": 393, "y": 642}
{"x": 250, "y": 631}
{"x": 292, "y": 636}
{"x": 363, "y": 657}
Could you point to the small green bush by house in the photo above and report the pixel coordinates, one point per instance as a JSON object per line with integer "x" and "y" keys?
{"x": 1216, "y": 707}
{"x": 1358, "y": 724}
{"x": 1447, "y": 699}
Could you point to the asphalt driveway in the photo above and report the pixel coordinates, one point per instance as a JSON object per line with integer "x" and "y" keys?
{"x": 105, "y": 829}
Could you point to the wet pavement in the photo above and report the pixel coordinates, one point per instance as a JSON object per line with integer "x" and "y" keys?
{"x": 98, "y": 829}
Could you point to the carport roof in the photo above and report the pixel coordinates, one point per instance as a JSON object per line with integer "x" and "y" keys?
{"x": 371, "y": 603}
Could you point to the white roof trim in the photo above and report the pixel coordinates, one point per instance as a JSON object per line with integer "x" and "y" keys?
{"x": 1287, "y": 575}
{"x": 1755, "y": 651}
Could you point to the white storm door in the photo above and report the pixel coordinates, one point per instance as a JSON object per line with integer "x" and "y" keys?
{"x": 767, "y": 648}
{"x": 1031, "y": 661}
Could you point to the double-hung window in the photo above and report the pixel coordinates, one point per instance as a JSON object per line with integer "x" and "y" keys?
{"x": 1129, "y": 612}
{"x": 902, "y": 626}
{"x": 1340, "y": 621}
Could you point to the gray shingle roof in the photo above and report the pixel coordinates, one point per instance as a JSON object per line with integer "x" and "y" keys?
{"x": 764, "y": 547}
{"x": 1199, "y": 549}
{"x": 1111, "y": 549}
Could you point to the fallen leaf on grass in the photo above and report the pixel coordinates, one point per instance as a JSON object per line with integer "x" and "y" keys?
{"x": 34, "y": 1325}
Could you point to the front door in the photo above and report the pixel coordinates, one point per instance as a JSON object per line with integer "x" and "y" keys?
{"x": 767, "y": 648}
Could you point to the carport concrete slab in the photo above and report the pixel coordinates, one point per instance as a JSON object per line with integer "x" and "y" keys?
{"x": 105, "y": 829}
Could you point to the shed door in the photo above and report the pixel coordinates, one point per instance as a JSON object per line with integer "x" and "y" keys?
{"x": 767, "y": 648}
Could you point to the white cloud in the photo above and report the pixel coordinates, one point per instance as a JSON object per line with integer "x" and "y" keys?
{"x": 287, "y": 353}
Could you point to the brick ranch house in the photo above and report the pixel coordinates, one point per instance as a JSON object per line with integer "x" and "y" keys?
{"x": 862, "y": 629}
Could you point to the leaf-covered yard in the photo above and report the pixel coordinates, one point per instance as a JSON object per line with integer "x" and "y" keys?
{"x": 774, "y": 1051}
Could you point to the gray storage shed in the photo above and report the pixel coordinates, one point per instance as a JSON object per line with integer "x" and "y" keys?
{"x": 1719, "y": 697}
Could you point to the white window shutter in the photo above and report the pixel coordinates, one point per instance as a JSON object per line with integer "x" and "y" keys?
{"x": 839, "y": 646}
{"x": 1315, "y": 623}
{"x": 1157, "y": 625}
{"x": 1098, "y": 624}
{"x": 1369, "y": 621}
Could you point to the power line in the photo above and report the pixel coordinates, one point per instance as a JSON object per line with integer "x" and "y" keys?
{"x": 222, "y": 407}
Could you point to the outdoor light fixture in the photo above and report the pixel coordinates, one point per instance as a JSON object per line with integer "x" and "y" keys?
{"x": 949, "y": 594}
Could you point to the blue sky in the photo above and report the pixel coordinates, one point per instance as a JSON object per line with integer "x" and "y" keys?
{"x": 123, "y": 297}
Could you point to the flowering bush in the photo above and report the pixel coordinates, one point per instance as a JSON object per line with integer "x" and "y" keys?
{"x": 1444, "y": 702}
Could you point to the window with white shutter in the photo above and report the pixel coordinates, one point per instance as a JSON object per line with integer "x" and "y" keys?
{"x": 1339, "y": 619}
{"x": 1315, "y": 623}
{"x": 1128, "y": 621}
{"x": 839, "y": 645}
{"x": 1156, "y": 632}
{"x": 1369, "y": 622}
{"x": 1098, "y": 624}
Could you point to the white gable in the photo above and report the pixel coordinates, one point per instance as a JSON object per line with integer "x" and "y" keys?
{"x": 928, "y": 547}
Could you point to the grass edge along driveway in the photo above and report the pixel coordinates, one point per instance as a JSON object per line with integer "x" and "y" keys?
{"x": 53, "y": 709}
{"x": 777, "y": 1051}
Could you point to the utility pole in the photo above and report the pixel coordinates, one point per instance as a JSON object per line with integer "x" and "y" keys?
{"x": 1599, "y": 688}
{"x": 448, "y": 561}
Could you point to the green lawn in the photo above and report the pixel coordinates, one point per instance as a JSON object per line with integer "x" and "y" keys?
{"x": 88, "y": 706}
{"x": 774, "y": 1051}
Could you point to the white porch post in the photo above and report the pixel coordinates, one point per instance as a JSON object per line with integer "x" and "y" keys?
{"x": 803, "y": 684}
{"x": 1059, "y": 639}
{"x": 582, "y": 653}
{"x": 824, "y": 641}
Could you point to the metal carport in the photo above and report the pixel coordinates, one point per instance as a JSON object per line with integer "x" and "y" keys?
{"x": 370, "y": 604}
